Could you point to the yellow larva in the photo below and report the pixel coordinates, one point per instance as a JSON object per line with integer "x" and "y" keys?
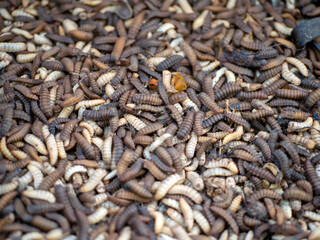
{"x": 199, "y": 21}
{"x": 19, "y": 154}
{"x": 217, "y": 172}
{"x": 36, "y": 174}
{"x": 32, "y": 235}
{"x": 88, "y": 127}
{"x": 231, "y": 77}
{"x": 21, "y": 32}
{"x": 97, "y": 130}
{"x": 54, "y": 76}
{"x": 69, "y": 25}
{"x": 45, "y": 131}
{"x": 191, "y": 145}
{"x": 300, "y": 126}
{"x": 180, "y": 232}
{"x": 158, "y": 221}
{"x": 298, "y": 64}
{"x": 289, "y": 76}
{"x": 109, "y": 90}
{"x": 93, "y": 180}
{"x": 107, "y": 150}
{"x": 98, "y": 215}
{"x": 269, "y": 81}
{"x": 187, "y": 103}
{"x": 12, "y": 47}
{"x": 187, "y": 214}
{"x": 167, "y": 184}
{"x": 106, "y": 78}
{"x": 5, "y": 151}
{"x": 315, "y": 132}
{"x": 41, "y": 39}
{"x": 196, "y": 180}
{"x": 185, "y": 6}
{"x": 235, "y": 204}
{"x": 8, "y": 187}
{"x": 202, "y": 221}
{"x": 65, "y": 112}
{"x": 233, "y": 136}
{"x": 312, "y": 216}
{"x": 40, "y": 194}
{"x": 211, "y": 66}
{"x": 5, "y": 14}
{"x": 281, "y": 27}
{"x": 134, "y": 121}
{"x": 89, "y": 103}
{"x": 175, "y": 216}
{"x": 36, "y": 143}
{"x": 52, "y": 95}
{"x": 171, "y": 203}
{"x": 61, "y": 150}
{"x": 52, "y": 149}
{"x": 55, "y": 234}
{"x": 74, "y": 169}
{"x": 158, "y": 141}
{"x": 231, "y": 4}
{"x": 186, "y": 191}
{"x": 86, "y": 135}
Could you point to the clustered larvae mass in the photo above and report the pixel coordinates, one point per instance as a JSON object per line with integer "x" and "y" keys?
{"x": 158, "y": 120}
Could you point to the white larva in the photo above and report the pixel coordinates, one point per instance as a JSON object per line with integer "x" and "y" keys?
{"x": 74, "y": 169}
{"x": 98, "y": 215}
{"x": 21, "y": 32}
{"x": 5, "y": 14}
{"x": 299, "y": 65}
{"x": 191, "y": 145}
{"x": 41, "y": 39}
{"x": 185, "y": 6}
{"x": 12, "y": 47}
{"x": 212, "y": 66}
{"x": 25, "y": 58}
{"x": 54, "y": 76}
{"x": 282, "y": 28}
{"x": 106, "y": 78}
{"x": 199, "y": 21}
{"x": 218, "y": 75}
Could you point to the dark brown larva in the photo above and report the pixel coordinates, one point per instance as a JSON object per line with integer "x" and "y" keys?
{"x": 228, "y": 218}
{"x": 6, "y": 122}
{"x": 257, "y": 114}
{"x": 186, "y": 127}
{"x": 170, "y": 61}
{"x": 259, "y": 172}
{"x": 209, "y": 103}
{"x": 86, "y": 147}
{"x": 313, "y": 177}
{"x": 238, "y": 120}
{"x": 45, "y": 102}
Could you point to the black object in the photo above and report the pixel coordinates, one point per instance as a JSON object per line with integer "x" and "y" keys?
{"x": 306, "y": 31}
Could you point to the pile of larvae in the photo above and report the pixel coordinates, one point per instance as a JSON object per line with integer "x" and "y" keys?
{"x": 174, "y": 119}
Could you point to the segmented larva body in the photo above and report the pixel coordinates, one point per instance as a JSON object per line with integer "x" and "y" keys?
{"x": 298, "y": 64}
{"x": 40, "y": 194}
{"x": 300, "y": 126}
{"x": 134, "y": 121}
{"x": 98, "y": 215}
{"x": 37, "y": 143}
{"x": 93, "y": 180}
{"x": 167, "y": 184}
{"x": 13, "y": 47}
{"x": 290, "y": 76}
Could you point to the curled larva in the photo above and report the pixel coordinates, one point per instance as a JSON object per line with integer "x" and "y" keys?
{"x": 298, "y": 64}
{"x": 290, "y": 76}
{"x": 167, "y": 184}
{"x": 186, "y": 191}
{"x": 93, "y": 180}
{"x": 36, "y": 143}
{"x": 236, "y": 135}
{"x": 74, "y": 169}
{"x": 98, "y": 215}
